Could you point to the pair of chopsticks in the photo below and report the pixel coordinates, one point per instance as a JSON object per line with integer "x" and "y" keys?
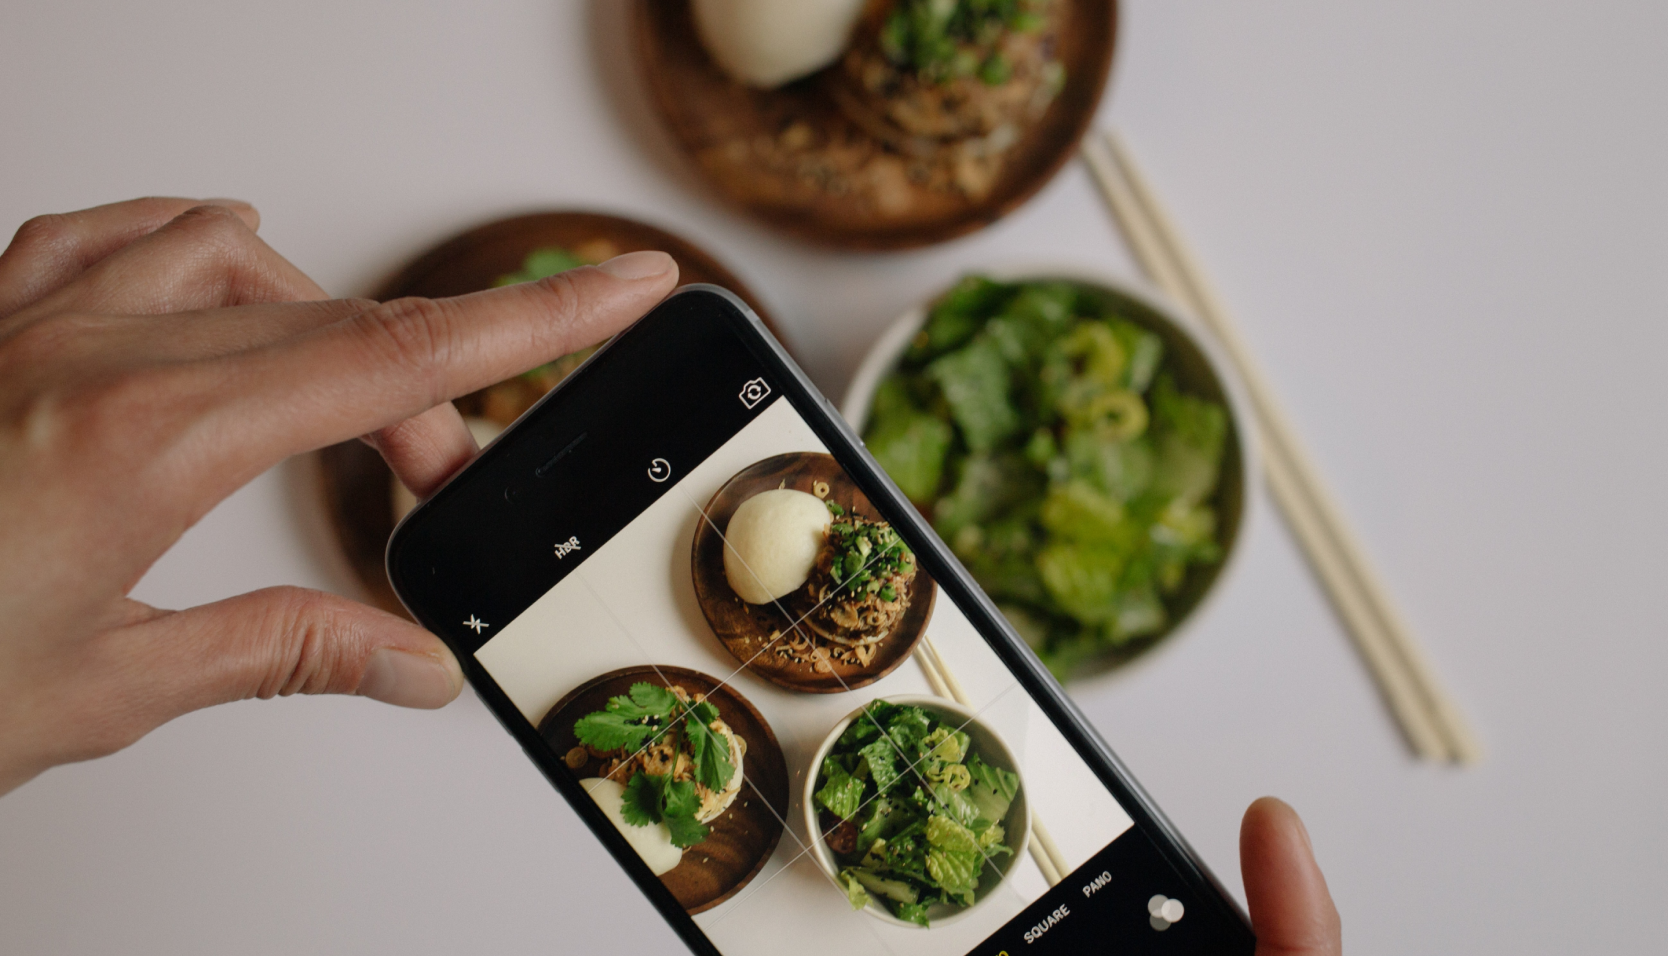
{"x": 1433, "y": 726}
{"x": 1044, "y": 850}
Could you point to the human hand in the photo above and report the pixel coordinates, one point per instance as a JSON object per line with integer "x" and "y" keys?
{"x": 155, "y": 356}
{"x": 1291, "y": 909}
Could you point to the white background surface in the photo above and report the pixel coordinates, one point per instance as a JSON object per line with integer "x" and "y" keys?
{"x": 1443, "y": 226}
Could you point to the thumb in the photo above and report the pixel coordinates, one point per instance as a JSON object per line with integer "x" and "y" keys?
{"x": 1291, "y": 909}
{"x": 287, "y": 640}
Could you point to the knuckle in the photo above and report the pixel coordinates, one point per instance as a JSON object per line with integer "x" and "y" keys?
{"x": 416, "y": 335}
{"x": 44, "y": 233}
{"x": 310, "y": 657}
{"x": 213, "y": 226}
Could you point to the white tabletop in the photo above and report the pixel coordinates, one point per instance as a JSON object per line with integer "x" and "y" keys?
{"x": 1443, "y": 227}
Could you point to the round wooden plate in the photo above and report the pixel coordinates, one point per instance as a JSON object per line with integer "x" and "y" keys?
{"x": 743, "y": 836}
{"x": 745, "y": 629}
{"x": 358, "y": 486}
{"x": 716, "y": 120}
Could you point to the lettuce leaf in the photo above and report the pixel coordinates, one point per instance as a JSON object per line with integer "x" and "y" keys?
{"x": 842, "y": 794}
{"x": 911, "y": 913}
{"x": 976, "y": 382}
{"x": 856, "y": 894}
{"x": 956, "y": 871}
{"x": 881, "y": 761}
{"x": 911, "y": 446}
{"x": 946, "y": 834}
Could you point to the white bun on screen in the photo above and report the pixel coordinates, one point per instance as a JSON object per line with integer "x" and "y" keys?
{"x": 652, "y": 843}
{"x": 772, "y": 543}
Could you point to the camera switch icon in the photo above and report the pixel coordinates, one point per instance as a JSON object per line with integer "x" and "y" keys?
{"x": 754, "y": 392}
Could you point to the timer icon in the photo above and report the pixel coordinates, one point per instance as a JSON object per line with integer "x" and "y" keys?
{"x": 659, "y": 470}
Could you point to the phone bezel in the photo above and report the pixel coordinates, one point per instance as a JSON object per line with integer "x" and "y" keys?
{"x": 848, "y": 449}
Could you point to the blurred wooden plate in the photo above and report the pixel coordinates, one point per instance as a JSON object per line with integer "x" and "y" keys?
{"x": 709, "y": 114}
{"x": 358, "y": 487}
{"x": 745, "y": 629}
{"x": 743, "y": 836}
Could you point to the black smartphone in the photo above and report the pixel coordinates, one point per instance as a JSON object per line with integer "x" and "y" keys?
{"x": 728, "y": 640}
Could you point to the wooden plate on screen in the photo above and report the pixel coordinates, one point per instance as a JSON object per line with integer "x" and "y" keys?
{"x": 744, "y": 836}
{"x": 724, "y": 128}
{"x": 358, "y": 487}
{"x": 746, "y": 630}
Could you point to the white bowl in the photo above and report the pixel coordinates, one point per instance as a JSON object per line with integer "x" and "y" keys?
{"x": 990, "y": 748}
{"x": 1201, "y": 369}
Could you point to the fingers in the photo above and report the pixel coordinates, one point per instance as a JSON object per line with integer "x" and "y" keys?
{"x": 183, "y": 336}
{"x": 49, "y": 251}
{"x": 400, "y": 359}
{"x": 152, "y": 666}
{"x": 283, "y": 641}
{"x": 425, "y": 450}
{"x": 206, "y": 257}
{"x": 1291, "y": 909}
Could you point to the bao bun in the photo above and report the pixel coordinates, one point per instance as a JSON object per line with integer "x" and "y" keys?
{"x": 653, "y": 843}
{"x": 772, "y": 543}
{"x": 766, "y": 43}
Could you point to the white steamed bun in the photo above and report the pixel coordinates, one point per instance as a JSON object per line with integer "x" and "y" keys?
{"x": 773, "y": 540}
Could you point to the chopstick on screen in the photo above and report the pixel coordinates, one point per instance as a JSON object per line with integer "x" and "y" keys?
{"x": 1044, "y": 851}
{"x": 1433, "y": 726}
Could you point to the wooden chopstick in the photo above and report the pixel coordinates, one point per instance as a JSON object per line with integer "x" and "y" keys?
{"x": 1044, "y": 850}
{"x": 1433, "y": 726}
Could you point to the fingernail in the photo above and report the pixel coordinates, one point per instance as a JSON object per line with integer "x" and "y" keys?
{"x": 638, "y": 265}
{"x": 230, "y": 203}
{"x": 408, "y": 680}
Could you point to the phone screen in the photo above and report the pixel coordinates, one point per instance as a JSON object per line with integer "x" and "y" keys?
{"x": 725, "y": 637}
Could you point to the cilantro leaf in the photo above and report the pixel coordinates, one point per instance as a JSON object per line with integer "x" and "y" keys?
{"x": 679, "y": 804}
{"x": 609, "y": 731}
{"x": 686, "y": 831}
{"x": 640, "y": 804}
{"x": 710, "y": 755}
{"x": 646, "y": 700}
{"x": 679, "y": 799}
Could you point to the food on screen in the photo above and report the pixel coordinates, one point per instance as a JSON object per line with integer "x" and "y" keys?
{"x": 678, "y": 763}
{"x": 772, "y": 543}
{"x": 803, "y": 581}
{"x": 859, "y": 589}
{"x": 920, "y": 818}
{"x": 845, "y": 576}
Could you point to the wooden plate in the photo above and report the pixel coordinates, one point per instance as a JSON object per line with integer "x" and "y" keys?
{"x": 358, "y": 486}
{"x": 745, "y": 629}
{"x": 743, "y": 836}
{"x": 716, "y": 120}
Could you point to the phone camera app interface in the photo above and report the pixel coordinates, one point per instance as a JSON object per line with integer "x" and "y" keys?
{"x": 754, "y": 392}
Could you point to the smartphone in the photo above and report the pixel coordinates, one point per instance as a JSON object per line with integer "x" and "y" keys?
{"x": 745, "y": 659}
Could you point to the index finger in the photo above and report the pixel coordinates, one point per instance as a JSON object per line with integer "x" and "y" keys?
{"x": 397, "y": 360}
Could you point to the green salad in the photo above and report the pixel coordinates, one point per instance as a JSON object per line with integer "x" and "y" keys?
{"x": 1038, "y": 428}
{"x": 912, "y": 816}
